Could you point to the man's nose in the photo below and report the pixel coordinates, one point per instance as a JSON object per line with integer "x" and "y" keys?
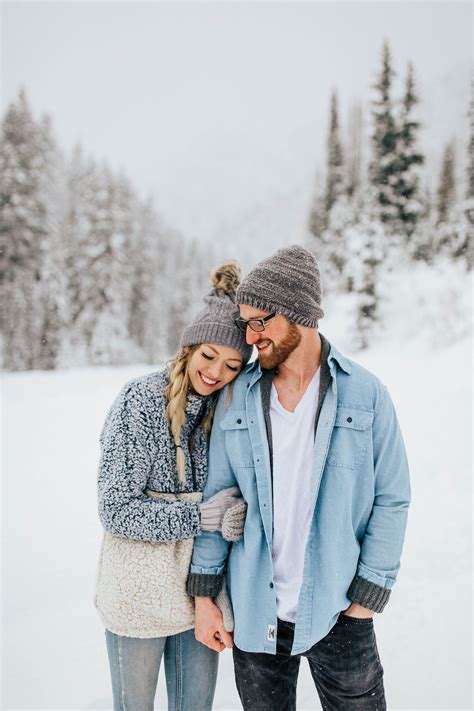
{"x": 252, "y": 337}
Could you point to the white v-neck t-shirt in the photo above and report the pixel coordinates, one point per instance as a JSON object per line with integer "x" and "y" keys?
{"x": 293, "y": 453}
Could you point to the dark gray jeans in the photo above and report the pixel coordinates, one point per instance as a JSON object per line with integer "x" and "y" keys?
{"x": 345, "y": 666}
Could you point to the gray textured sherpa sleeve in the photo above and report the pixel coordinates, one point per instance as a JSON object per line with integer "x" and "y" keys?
{"x": 124, "y": 508}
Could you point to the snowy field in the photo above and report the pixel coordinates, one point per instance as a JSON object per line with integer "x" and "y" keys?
{"x": 54, "y": 649}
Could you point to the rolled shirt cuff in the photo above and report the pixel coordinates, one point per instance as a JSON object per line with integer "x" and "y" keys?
{"x": 367, "y": 594}
{"x": 201, "y": 585}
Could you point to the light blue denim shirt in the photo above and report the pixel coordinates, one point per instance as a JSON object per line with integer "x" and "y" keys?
{"x": 360, "y": 494}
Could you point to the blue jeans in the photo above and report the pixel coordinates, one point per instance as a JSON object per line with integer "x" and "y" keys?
{"x": 190, "y": 670}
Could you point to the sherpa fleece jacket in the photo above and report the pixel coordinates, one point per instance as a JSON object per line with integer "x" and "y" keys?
{"x": 150, "y": 518}
{"x": 138, "y": 453}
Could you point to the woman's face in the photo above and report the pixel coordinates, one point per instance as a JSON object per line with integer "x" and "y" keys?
{"x": 212, "y": 366}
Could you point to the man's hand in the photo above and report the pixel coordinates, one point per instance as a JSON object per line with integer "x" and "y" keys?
{"x": 209, "y": 625}
{"x": 359, "y": 611}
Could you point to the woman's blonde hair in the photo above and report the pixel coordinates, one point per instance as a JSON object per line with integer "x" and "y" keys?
{"x": 176, "y": 394}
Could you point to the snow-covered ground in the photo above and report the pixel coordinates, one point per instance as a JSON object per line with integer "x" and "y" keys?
{"x": 54, "y": 651}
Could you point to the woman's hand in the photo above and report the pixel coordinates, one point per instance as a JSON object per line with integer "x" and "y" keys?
{"x": 233, "y": 522}
{"x": 214, "y": 510}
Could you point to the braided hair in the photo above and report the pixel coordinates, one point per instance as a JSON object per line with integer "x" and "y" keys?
{"x": 176, "y": 394}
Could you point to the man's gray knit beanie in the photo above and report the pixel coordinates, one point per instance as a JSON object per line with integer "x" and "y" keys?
{"x": 216, "y": 322}
{"x": 288, "y": 283}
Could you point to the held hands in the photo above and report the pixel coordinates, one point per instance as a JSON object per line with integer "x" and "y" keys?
{"x": 209, "y": 625}
{"x": 356, "y": 610}
{"x": 225, "y": 512}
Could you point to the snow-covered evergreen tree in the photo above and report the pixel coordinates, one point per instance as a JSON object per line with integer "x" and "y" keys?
{"x": 470, "y": 148}
{"x": 354, "y": 151}
{"x": 334, "y": 166}
{"x": 364, "y": 247}
{"x": 385, "y": 165}
{"x": 409, "y": 159}
{"x": 188, "y": 273}
{"x": 116, "y": 274}
{"x": 29, "y": 165}
{"x": 316, "y": 221}
{"x": 99, "y": 233}
{"x": 330, "y": 209}
{"x": 84, "y": 250}
{"x": 446, "y": 195}
{"x": 146, "y": 266}
{"x": 454, "y": 236}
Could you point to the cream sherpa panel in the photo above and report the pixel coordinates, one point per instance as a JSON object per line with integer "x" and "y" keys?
{"x": 141, "y": 586}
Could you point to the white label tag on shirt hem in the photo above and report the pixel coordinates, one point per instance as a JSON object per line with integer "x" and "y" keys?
{"x": 271, "y": 633}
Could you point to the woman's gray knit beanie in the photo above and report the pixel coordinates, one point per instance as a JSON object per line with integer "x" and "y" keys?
{"x": 216, "y": 322}
{"x": 287, "y": 282}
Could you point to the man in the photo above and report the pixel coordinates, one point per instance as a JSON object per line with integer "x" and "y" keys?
{"x": 312, "y": 441}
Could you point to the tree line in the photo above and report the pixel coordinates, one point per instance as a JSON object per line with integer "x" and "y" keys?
{"x": 374, "y": 214}
{"x": 89, "y": 273}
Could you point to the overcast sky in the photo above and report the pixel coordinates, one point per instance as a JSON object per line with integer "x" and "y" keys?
{"x": 212, "y": 107}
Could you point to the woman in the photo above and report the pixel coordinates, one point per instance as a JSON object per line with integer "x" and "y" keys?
{"x": 152, "y": 473}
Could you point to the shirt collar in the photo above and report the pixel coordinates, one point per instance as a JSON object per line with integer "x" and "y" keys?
{"x": 341, "y": 360}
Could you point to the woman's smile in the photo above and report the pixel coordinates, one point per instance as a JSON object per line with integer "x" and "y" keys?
{"x": 207, "y": 381}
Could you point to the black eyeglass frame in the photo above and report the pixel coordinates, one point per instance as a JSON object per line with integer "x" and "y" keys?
{"x": 243, "y": 323}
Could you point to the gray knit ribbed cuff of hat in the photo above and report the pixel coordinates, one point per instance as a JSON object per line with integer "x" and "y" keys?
{"x": 218, "y": 333}
{"x": 249, "y": 299}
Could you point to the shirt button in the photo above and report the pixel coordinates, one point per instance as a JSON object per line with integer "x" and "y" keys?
{"x": 271, "y": 585}
{"x": 239, "y": 421}
{"x": 349, "y": 419}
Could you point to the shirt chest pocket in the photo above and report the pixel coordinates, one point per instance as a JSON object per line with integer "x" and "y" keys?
{"x": 350, "y": 437}
{"x": 237, "y": 438}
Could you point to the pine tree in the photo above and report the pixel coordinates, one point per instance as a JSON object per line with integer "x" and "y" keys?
{"x": 334, "y": 173}
{"x": 84, "y": 249}
{"x": 316, "y": 220}
{"x": 354, "y": 150}
{"x": 384, "y": 166}
{"x": 146, "y": 268}
{"x": 446, "y": 194}
{"x": 325, "y": 216}
{"x": 364, "y": 241}
{"x": 29, "y": 164}
{"x": 470, "y": 164}
{"x": 409, "y": 158}
{"x": 99, "y": 231}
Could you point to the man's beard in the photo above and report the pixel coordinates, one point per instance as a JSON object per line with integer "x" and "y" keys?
{"x": 278, "y": 353}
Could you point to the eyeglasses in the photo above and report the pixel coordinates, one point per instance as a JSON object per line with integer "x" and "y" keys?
{"x": 255, "y": 324}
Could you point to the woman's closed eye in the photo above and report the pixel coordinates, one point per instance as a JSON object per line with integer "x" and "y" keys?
{"x": 232, "y": 368}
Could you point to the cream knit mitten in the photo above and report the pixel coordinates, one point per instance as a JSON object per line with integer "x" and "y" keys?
{"x": 213, "y": 510}
{"x": 234, "y": 521}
